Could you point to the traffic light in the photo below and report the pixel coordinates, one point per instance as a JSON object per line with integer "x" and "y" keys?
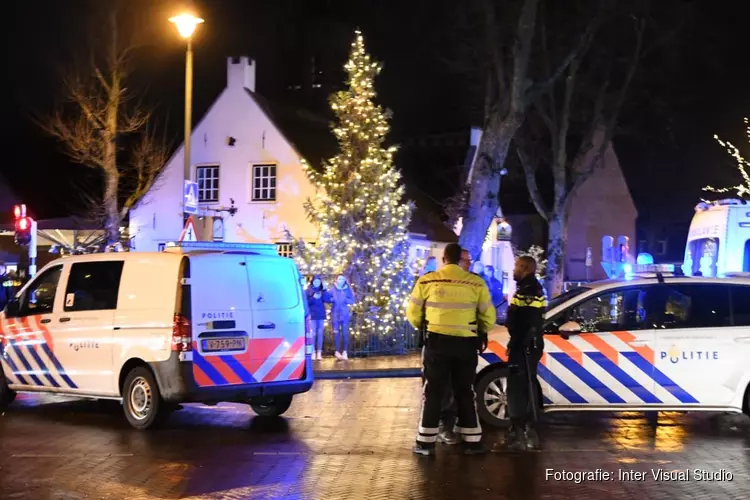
{"x": 24, "y": 225}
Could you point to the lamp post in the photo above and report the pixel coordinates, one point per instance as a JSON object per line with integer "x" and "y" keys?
{"x": 186, "y": 24}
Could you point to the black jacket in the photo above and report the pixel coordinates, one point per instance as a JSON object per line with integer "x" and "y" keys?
{"x": 526, "y": 312}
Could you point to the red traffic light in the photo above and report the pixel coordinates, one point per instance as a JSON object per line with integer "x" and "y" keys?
{"x": 23, "y": 224}
{"x": 17, "y": 211}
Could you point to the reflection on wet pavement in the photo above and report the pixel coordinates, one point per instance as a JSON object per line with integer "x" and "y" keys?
{"x": 350, "y": 439}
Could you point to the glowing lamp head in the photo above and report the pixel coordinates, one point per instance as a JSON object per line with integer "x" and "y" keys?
{"x": 186, "y": 24}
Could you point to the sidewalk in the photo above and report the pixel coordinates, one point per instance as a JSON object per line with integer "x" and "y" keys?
{"x": 396, "y": 366}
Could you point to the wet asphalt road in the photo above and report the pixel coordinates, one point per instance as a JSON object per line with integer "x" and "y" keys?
{"x": 352, "y": 440}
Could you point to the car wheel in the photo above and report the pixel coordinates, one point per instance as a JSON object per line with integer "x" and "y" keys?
{"x": 271, "y": 406}
{"x": 6, "y": 395}
{"x": 492, "y": 397}
{"x": 142, "y": 401}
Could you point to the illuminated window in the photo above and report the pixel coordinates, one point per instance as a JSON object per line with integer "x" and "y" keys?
{"x": 208, "y": 183}
{"x": 264, "y": 183}
{"x": 285, "y": 249}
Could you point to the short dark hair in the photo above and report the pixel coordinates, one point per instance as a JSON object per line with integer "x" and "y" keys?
{"x": 452, "y": 253}
{"x": 529, "y": 261}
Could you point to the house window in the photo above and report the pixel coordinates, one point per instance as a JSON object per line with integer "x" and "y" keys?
{"x": 208, "y": 183}
{"x": 285, "y": 249}
{"x": 264, "y": 183}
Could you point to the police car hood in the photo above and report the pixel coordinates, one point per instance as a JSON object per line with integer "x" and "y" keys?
{"x": 499, "y": 334}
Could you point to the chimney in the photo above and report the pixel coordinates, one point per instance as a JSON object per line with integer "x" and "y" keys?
{"x": 241, "y": 72}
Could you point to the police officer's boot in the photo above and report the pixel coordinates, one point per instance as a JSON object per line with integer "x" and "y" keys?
{"x": 514, "y": 440}
{"x": 424, "y": 449}
{"x": 446, "y": 434}
{"x": 532, "y": 437}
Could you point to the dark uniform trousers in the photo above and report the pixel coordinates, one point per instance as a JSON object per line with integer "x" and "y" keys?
{"x": 449, "y": 362}
{"x": 519, "y": 393}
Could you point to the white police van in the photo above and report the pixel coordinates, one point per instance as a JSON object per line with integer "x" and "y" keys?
{"x": 648, "y": 343}
{"x": 198, "y": 322}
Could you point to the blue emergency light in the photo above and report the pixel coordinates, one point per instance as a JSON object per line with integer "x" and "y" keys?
{"x": 215, "y": 246}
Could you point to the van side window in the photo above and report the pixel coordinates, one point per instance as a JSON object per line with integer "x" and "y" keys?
{"x": 741, "y": 305}
{"x": 39, "y": 298}
{"x": 696, "y": 306}
{"x": 93, "y": 286}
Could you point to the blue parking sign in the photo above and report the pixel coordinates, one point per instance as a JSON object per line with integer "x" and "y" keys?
{"x": 190, "y": 197}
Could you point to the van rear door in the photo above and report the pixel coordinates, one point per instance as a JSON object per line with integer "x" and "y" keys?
{"x": 222, "y": 320}
{"x": 278, "y": 339}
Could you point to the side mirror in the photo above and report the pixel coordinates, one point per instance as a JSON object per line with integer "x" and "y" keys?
{"x": 569, "y": 328}
{"x": 12, "y": 309}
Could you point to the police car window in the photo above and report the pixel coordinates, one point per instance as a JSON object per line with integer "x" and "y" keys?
{"x": 696, "y": 306}
{"x": 93, "y": 286}
{"x": 39, "y": 298}
{"x": 612, "y": 311}
{"x": 741, "y": 305}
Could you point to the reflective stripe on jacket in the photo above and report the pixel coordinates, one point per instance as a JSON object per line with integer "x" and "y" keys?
{"x": 452, "y": 301}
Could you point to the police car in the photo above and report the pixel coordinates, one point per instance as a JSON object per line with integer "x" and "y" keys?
{"x": 198, "y": 322}
{"x": 648, "y": 343}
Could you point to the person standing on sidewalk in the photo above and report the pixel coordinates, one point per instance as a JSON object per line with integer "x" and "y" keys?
{"x": 454, "y": 303}
{"x": 525, "y": 348}
{"x": 317, "y": 298}
{"x": 342, "y": 297}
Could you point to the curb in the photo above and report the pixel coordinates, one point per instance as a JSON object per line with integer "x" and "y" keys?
{"x": 367, "y": 374}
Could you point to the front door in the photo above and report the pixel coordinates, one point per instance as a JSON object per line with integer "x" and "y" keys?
{"x": 31, "y": 353}
{"x": 610, "y": 363}
{"x": 84, "y": 325}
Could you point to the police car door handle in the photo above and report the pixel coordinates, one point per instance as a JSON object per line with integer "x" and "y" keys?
{"x": 64, "y": 320}
{"x": 266, "y": 326}
{"x": 45, "y": 321}
{"x": 639, "y": 342}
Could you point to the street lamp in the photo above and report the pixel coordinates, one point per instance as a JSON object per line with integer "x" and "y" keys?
{"x": 186, "y": 24}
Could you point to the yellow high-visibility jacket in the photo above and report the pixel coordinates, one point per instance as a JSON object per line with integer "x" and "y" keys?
{"x": 453, "y": 301}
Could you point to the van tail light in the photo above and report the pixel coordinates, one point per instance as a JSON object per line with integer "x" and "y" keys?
{"x": 182, "y": 336}
{"x": 309, "y": 340}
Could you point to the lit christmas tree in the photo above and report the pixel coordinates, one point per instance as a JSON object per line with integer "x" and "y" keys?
{"x": 359, "y": 212}
{"x": 742, "y": 164}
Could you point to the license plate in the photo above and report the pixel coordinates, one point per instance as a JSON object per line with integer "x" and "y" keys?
{"x": 229, "y": 344}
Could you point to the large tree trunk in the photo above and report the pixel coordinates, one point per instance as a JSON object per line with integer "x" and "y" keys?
{"x": 111, "y": 212}
{"x": 484, "y": 198}
{"x": 558, "y": 238}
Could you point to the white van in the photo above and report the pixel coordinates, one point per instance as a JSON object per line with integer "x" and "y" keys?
{"x": 719, "y": 239}
{"x": 198, "y": 322}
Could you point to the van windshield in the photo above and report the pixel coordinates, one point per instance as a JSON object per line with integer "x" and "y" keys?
{"x": 702, "y": 257}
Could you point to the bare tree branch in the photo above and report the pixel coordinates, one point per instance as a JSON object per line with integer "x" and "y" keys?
{"x": 529, "y": 170}
{"x": 521, "y": 55}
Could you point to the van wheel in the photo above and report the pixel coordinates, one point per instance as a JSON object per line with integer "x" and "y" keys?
{"x": 142, "y": 401}
{"x": 492, "y": 397}
{"x": 7, "y": 396}
{"x": 271, "y": 406}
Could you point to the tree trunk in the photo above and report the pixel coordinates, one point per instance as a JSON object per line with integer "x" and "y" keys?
{"x": 484, "y": 198}
{"x": 111, "y": 213}
{"x": 558, "y": 238}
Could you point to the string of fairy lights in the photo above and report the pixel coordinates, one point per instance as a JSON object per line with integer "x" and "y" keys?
{"x": 358, "y": 209}
{"x": 742, "y": 164}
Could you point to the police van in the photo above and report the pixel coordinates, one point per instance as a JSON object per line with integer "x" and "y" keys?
{"x": 198, "y": 322}
{"x": 649, "y": 343}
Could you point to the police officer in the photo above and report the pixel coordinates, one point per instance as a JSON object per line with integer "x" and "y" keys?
{"x": 454, "y": 303}
{"x": 524, "y": 323}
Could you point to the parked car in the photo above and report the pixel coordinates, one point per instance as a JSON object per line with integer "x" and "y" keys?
{"x": 648, "y": 343}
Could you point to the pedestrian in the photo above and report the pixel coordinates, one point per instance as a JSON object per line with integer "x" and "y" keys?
{"x": 465, "y": 262}
{"x": 317, "y": 298}
{"x": 478, "y": 269}
{"x": 495, "y": 286}
{"x": 342, "y": 298}
{"x": 454, "y": 304}
{"x": 525, "y": 348}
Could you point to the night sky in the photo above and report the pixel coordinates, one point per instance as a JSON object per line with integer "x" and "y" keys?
{"x": 667, "y": 155}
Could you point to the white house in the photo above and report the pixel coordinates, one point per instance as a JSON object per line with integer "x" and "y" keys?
{"x": 239, "y": 155}
{"x": 243, "y": 156}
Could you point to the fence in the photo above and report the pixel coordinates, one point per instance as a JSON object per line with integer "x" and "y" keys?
{"x": 402, "y": 340}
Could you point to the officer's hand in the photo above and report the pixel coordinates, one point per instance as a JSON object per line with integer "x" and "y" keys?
{"x": 485, "y": 344}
